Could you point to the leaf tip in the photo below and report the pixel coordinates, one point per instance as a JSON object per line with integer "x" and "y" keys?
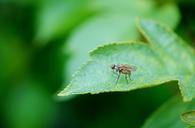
{"x": 61, "y": 93}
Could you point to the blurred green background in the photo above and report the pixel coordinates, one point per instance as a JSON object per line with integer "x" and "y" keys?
{"x": 42, "y": 43}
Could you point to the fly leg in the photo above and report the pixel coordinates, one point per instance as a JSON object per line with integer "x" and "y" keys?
{"x": 126, "y": 79}
{"x": 129, "y": 75}
{"x": 118, "y": 77}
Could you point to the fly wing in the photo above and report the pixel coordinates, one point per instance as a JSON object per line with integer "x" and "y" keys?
{"x": 124, "y": 66}
{"x": 127, "y": 67}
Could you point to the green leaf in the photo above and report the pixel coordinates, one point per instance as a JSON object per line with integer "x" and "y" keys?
{"x": 156, "y": 63}
{"x": 168, "y": 115}
{"x": 176, "y": 54}
{"x": 96, "y": 76}
{"x": 55, "y": 18}
{"x": 171, "y": 48}
{"x": 115, "y": 22}
{"x": 97, "y": 31}
{"x": 189, "y": 117}
{"x": 168, "y": 13}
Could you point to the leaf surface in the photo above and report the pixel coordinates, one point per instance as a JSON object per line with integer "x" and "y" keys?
{"x": 175, "y": 53}
{"x": 55, "y": 18}
{"x": 168, "y": 115}
{"x": 114, "y": 22}
{"x": 96, "y": 76}
{"x": 156, "y": 62}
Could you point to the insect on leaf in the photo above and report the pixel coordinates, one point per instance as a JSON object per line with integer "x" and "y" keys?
{"x": 155, "y": 62}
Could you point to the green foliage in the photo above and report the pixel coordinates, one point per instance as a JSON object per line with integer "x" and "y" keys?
{"x": 168, "y": 115}
{"x": 54, "y": 18}
{"x": 112, "y": 23}
{"x": 155, "y": 64}
{"x": 189, "y": 117}
{"x": 33, "y": 98}
{"x": 178, "y": 56}
{"x": 42, "y": 43}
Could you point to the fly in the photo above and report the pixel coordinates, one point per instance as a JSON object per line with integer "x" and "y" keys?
{"x": 123, "y": 69}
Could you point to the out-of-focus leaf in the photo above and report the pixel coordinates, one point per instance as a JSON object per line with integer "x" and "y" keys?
{"x": 157, "y": 63}
{"x": 13, "y": 56}
{"x": 21, "y": 2}
{"x": 168, "y": 115}
{"x": 167, "y": 13}
{"x": 116, "y": 22}
{"x": 28, "y": 106}
{"x": 177, "y": 55}
{"x": 131, "y": 7}
{"x": 55, "y": 18}
{"x": 189, "y": 117}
